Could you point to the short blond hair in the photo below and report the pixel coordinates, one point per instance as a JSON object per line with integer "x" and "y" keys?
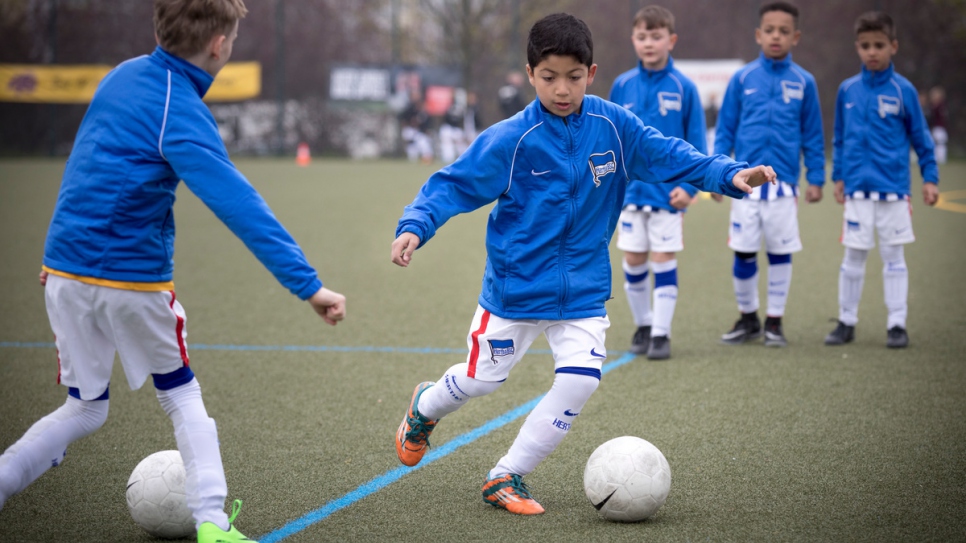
{"x": 184, "y": 27}
{"x": 655, "y": 17}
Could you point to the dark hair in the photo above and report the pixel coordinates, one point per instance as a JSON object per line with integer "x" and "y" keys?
{"x": 875, "y": 21}
{"x": 184, "y": 27}
{"x": 655, "y": 17}
{"x": 560, "y": 34}
{"x": 787, "y": 7}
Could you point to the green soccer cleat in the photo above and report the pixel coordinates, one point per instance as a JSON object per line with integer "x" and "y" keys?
{"x": 209, "y": 532}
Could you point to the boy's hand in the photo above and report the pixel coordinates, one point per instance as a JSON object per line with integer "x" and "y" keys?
{"x": 813, "y": 194}
{"x": 403, "y": 247}
{"x": 329, "y": 305}
{"x": 43, "y": 278}
{"x": 680, "y": 198}
{"x": 840, "y": 192}
{"x": 716, "y": 197}
{"x": 747, "y": 179}
{"x": 930, "y": 193}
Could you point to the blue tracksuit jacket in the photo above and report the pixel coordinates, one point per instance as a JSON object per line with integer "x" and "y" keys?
{"x": 771, "y": 115}
{"x": 559, "y": 184}
{"x": 877, "y": 116}
{"x": 145, "y": 130}
{"x": 668, "y": 101}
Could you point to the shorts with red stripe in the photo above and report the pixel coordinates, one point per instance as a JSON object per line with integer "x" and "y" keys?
{"x": 91, "y": 323}
{"x": 497, "y": 344}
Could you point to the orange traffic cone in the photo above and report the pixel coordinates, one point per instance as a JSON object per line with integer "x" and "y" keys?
{"x": 302, "y": 156}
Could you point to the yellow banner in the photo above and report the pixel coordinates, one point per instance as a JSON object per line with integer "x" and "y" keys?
{"x": 75, "y": 84}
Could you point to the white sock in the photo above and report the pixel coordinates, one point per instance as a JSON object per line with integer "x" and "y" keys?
{"x": 746, "y": 284}
{"x": 547, "y": 424}
{"x": 779, "y": 281}
{"x": 851, "y": 278}
{"x": 638, "y": 290}
{"x": 45, "y": 443}
{"x": 665, "y": 296}
{"x": 452, "y": 391}
{"x": 895, "y": 282}
{"x": 197, "y": 438}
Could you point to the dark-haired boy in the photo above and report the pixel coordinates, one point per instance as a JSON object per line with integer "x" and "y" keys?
{"x": 877, "y": 117}
{"x": 770, "y": 115}
{"x": 108, "y": 260}
{"x": 652, "y": 219}
{"x": 557, "y": 171}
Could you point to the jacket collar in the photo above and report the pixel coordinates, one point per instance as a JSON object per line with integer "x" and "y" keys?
{"x": 200, "y": 79}
{"x": 644, "y": 72}
{"x": 874, "y": 79}
{"x": 562, "y": 125}
{"x": 773, "y": 65}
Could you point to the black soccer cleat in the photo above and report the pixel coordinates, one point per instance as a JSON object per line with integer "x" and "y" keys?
{"x": 660, "y": 348}
{"x": 641, "y": 340}
{"x": 842, "y": 334}
{"x": 774, "y": 337}
{"x": 897, "y": 338}
{"x": 747, "y": 328}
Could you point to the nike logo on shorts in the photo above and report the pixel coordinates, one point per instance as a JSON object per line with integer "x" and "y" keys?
{"x": 596, "y": 354}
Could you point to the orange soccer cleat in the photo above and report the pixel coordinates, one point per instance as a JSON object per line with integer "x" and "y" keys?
{"x": 412, "y": 438}
{"x": 510, "y": 493}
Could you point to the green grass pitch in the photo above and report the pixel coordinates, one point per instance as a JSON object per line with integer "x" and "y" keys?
{"x": 808, "y": 443}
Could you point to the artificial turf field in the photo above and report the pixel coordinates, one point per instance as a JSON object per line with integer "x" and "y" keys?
{"x": 808, "y": 443}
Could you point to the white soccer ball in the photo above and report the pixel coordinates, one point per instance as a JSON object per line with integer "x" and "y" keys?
{"x": 156, "y": 496}
{"x": 627, "y": 479}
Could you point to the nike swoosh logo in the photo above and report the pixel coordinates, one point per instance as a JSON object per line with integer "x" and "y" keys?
{"x": 849, "y": 105}
{"x": 750, "y": 91}
{"x": 569, "y": 413}
{"x": 595, "y": 353}
{"x": 628, "y": 105}
{"x": 598, "y": 506}
{"x": 132, "y": 484}
{"x": 535, "y": 172}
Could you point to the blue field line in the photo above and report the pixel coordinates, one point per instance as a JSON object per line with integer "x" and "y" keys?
{"x": 289, "y": 348}
{"x": 394, "y": 475}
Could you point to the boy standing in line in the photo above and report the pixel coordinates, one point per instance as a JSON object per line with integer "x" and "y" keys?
{"x": 108, "y": 259}
{"x": 770, "y": 115}
{"x": 652, "y": 218}
{"x": 558, "y": 171}
{"x": 877, "y": 117}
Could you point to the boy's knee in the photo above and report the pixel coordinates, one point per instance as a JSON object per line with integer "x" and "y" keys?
{"x": 577, "y": 381}
{"x": 463, "y": 387}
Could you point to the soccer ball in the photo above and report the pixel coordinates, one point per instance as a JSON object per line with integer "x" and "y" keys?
{"x": 627, "y": 479}
{"x": 156, "y": 496}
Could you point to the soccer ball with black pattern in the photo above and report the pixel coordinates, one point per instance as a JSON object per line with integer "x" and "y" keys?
{"x": 627, "y": 479}
{"x": 156, "y": 496}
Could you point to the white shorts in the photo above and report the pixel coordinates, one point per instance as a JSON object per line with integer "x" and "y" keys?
{"x": 640, "y": 231}
{"x": 91, "y": 323}
{"x": 497, "y": 344}
{"x": 777, "y": 219}
{"x": 863, "y": 218}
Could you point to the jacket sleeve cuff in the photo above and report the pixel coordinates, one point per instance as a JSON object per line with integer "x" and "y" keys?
{"x": 308, "y": 290}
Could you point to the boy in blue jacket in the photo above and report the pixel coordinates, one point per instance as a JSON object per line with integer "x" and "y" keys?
{"x": 558, "y": 171}
{"x": 652, "y": 217}
{"x": 770, "y": 115}
{"x": 877, "y": 117}
{"x": 108, "y": 258}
